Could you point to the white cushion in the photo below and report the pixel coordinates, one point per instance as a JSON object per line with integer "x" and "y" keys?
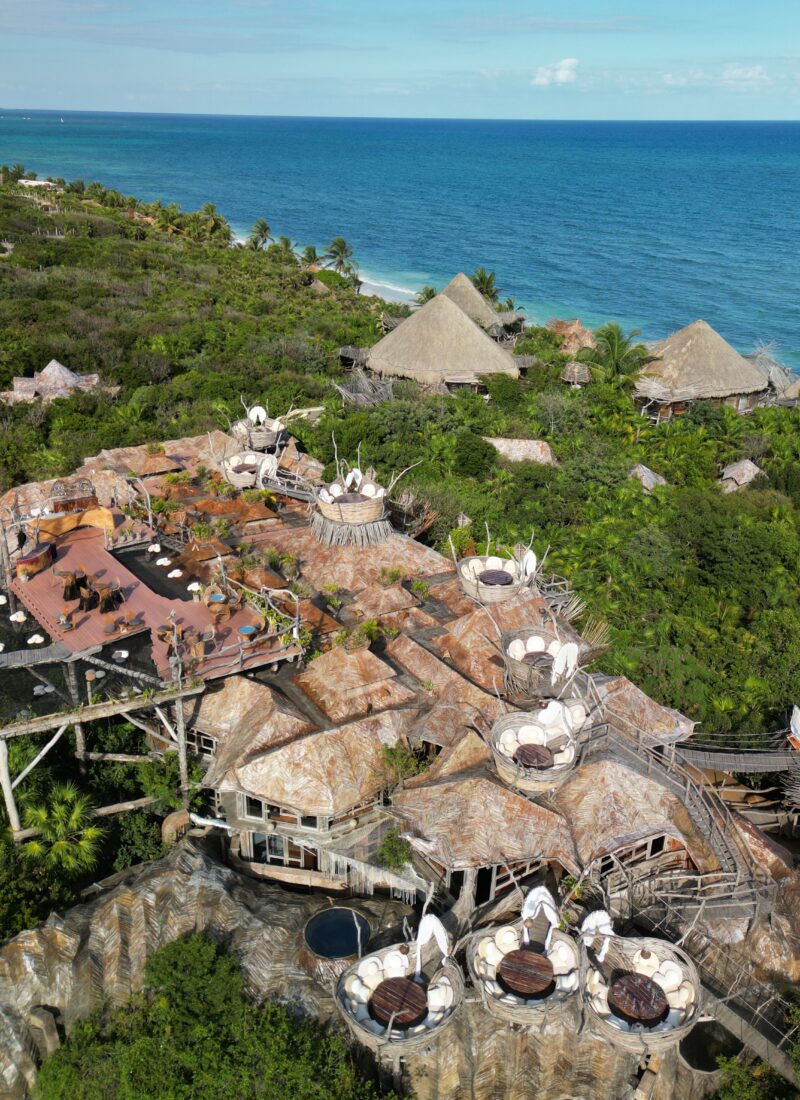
{"x": 535, "y": 644}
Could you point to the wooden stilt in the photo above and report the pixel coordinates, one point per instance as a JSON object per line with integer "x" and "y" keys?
{"x": 8, "y": 790}
{"x": 80, "y": 737}
{"x": 183, "y": 762}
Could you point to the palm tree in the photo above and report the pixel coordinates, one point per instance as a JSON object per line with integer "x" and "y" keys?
{"x": 259, "y": 234}
{"x": 508, "y": 306}
{"x": 617, "y": 357}
{"x": 68, "y": 839}
{"x": 484, "y": 281}
{"x": 351, "y": 273}
{"x": 426, "y": 294}
{"x": 310, "y": 257}
{"x": 338, "y": 254}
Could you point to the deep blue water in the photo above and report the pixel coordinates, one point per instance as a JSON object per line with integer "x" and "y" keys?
{"x": 651, "y": 224}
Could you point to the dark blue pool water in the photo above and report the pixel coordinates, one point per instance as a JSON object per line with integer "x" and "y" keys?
{"x": 332, "y": 934}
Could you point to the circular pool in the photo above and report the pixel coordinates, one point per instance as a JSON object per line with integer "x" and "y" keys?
{"x": 337, "y": 933}
{"x": 705, "y": 1043}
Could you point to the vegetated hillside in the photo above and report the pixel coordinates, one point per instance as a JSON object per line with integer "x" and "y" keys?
{"x": 701, "y": 589}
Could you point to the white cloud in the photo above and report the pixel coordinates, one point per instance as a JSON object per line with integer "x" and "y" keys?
{"x": 744, "y": 76}
{"x": 560, "y": 72}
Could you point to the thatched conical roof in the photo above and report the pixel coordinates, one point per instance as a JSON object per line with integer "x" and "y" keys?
{"x": 697, "y": 360}
{"x": 437, "y": 342}
{"x": 466, "y": 296}
{"x": 576, "y": 373}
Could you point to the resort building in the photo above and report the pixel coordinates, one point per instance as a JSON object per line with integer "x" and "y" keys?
{"x": 54, "y": 381}
{"x": 440, "y": 744}
{"x": 697, "y": 364}
{"x": 440, "y": 345}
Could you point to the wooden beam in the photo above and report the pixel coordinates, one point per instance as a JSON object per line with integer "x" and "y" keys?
{"x": 8, "y": 790}
{"x": 165, "y": 722}
{"x": 91, "y": 712}
{"x": 120, "y": 757}
{"x": 39, "y": 756}
{"x": 123, "y": 671}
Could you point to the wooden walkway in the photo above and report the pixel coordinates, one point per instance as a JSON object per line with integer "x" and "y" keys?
{"x": 30, "y": 657}
{"x": 748, "y": 761}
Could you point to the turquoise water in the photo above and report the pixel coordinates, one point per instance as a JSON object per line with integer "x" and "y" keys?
{"x": 650, "y": 224}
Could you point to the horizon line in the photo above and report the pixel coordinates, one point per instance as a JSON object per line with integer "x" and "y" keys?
{"x": 398, "y": 118}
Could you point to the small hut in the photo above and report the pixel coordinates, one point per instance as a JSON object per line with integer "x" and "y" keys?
{"x": 576, "y": 374}
{"x": 697, "y": 364}
{"x": 351, "y": 357}
{"x": 648, "y": 478}
{"x": 436, "y": 343}
{"x": 574, "y": 336}
{"x": 54, "y": 381}
{"x": 739, "y": 475}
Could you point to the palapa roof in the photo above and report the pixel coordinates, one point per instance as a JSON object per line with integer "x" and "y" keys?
{"x": 740, "y": 473}
{"x": 188, "y": 453}
{"x": 609, "y": 806}
{"x": 55, "y": 380}
{"x": 779, "y": 377}
{"x": 467, "y": 297}
{"x": 698, "y": 361}
{"x": 437, "y": 342}
{"x": 629, "y": 709}
{"x": 474, "y": 821}
{"x": 329, "y": 772}
{"x": 792, "y": 392}
{"x": 574, "y": 335}
{"x": 576, "y": 373}
{"x": 648, "y": 478}
{"x": 350, "y": 685}
{"x": 523, "y": 450}
{"x": 247, "y": 718}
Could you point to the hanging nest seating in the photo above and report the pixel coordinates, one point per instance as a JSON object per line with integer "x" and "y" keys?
{"x": 534, "y": 663}
{"x": 242, "y": 470}
{"x": 442, "y": 982}
{"x": 535, "y": 751}
{"x": 558, "y": 1007}
{"x": 662, "y": 962}
{"x": 576, "y": 373}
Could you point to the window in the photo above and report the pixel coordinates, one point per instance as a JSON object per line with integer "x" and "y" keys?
{"x": 743, "y": 401}
{"x": 200, "y": 743}
{"x": 254, "y": 808}
{"x": 310, "y": 822}
{"x": 656, "y": 845}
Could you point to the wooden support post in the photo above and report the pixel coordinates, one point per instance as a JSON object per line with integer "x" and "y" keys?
{"x": 80, "y": 737}
{"x": 39, "y": 756}
{"x": 8, "y": 790}
{"x": 183, "y": 762}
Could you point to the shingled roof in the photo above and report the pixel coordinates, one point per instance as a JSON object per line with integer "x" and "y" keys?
{"x": 438, "y": 342}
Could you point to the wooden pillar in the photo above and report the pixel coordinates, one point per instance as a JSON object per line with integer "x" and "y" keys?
{"x": 5, "y": 783}
{"x": 180, "y": 730}
{"x": 80, "y": 737}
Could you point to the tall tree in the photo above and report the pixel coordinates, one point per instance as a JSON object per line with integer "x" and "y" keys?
{"x": 338, "y": 254}
{"x": 260, "y": 234}
{"x": 617, "y": 357}
{"x": 68, "y": 840}
{"x": 484, "y": 281}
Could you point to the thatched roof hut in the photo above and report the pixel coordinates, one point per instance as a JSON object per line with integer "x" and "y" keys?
{"x": 576, "y": 373}
{"x": 629, "y": 710}
{"x": 611, "y": 807}
{"x": 55, "y": 380}
{"x": 647, "y": 477}
{"x": 351, "y": 685}
{"x": 467, "y": 297}
{"x": 574, "y": 336}
{"x": 779, "y": 377}
{"x": 246, "y": 718}
{"x": 523, "y": 450}
{"x": 473, "y": 821}
{"x": 326, "y": 773}
{"x": 739, "y": 474}
{"x": 697, "y": 364}
{"x": 437, "y": 342}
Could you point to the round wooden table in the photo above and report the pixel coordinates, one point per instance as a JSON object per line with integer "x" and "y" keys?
{"x": 534, "y": 756}
{"x": 534, "y": 658}
{"x": 526, "y": 972}
{"x": 401, "y": 998}
{"x": 495, "y": 577}
{"x": 350, "y": 498}
{"x": 638, "y": 999}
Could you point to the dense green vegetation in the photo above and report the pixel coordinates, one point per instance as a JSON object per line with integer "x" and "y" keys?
{"x": 193, "y": 1035}
{"x": 701, "y": 590}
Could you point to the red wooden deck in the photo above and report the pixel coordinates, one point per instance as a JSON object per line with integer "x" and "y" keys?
{"x": 42, "y": 596}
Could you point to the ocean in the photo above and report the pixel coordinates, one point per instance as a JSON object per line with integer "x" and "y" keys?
{"x": 649, "y": 224}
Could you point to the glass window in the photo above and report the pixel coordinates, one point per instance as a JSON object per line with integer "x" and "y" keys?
{"x": 309, "y": 822}
{"x": 253, "y": 807}
{"x": 274, "y": 848}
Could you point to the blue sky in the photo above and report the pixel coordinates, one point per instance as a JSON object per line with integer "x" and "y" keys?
{"x": 719, "y": 59}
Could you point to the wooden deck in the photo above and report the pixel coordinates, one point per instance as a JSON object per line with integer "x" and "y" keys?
{"x": 42, "y": 597}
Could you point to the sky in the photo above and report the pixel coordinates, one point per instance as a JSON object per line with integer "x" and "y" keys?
{"x": 578, "y": 59}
